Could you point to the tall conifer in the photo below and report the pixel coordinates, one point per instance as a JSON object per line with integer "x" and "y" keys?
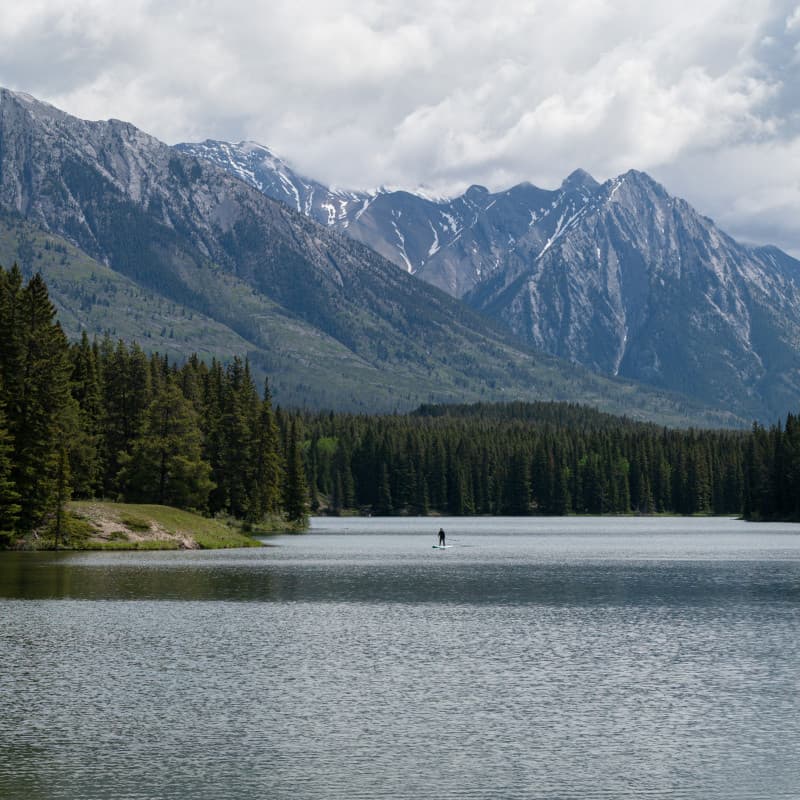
{"x": 166, "y": 464}
{"x": 44, "y": 394}
{"x": 9, "y": 497}
{"x": 85, "y": 451}
{"x": 266, "y": 487}
{"x": 295, "y": 500}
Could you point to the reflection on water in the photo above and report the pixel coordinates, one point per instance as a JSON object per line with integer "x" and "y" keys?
{"x": 536, "y": 658}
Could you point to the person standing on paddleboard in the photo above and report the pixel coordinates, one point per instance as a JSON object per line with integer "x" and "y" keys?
{"x": 441, "y": 537}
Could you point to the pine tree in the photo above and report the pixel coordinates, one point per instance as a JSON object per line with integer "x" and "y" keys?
{"x": 65, "y": 437}
{"x": 126, "y": 381}
{"x": 344, "y": 474}
{"x": 295, "y": 499}
{"x": 11, "y": 356}
{"x": 698, "y": 484}
{"x": 313, "y": 481}
{"x": 166, "y": 465}
{"x": 85, "y": 451}
{"x": 594, "y": 485}
{"x": 266, "y": 489}
{"x": 561, "y": 498}
{"x": 791, "y": 447}
{"x": 336, "y": 503}
{"x": 239, "y": 403}
{"x": 384, "y": 504}
{"x": 213, "y": 402}
{"x": 44, "y": 395}
{"x": 517, "y": 493}
{"x": 758, "y": 488}
{"x": 9, "y": 498}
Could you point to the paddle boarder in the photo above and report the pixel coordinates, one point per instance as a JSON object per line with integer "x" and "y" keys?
{"x": 441, "y": 537}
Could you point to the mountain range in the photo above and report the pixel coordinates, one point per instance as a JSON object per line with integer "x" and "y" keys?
{"x": 619, "y": 276}
{"x": 141, "y": 240}
{"x": 523, "y": 294}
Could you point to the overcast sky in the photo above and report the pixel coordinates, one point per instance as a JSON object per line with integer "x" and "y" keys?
{"x": 702, "y": 94}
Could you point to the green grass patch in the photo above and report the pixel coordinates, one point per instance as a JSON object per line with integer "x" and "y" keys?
{"x": 273, "y": 525}
{"x": 143, "y": 520}
{"x": 135, "y": 523}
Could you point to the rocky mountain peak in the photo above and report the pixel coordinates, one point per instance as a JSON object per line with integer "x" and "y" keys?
{"x": 620, "y": 277}
{"x": 330, "y": 321}
{"x": 476, "y": 193}
{"x": 636, "y": 186}
{"x": 579, "y": 179}
{"x": 636, "y": 283}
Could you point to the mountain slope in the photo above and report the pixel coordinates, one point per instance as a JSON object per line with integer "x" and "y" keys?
{"x": 640, "y": 285}
{"x": 91, "y": 297}
{"x": 452, "y": 244}
{"x": 619, "y": 277}
{"x": 262, "y": 169}
{"x": 333, "y": 323}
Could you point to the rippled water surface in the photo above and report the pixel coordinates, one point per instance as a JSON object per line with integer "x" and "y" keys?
{"x": 568, "y": 658}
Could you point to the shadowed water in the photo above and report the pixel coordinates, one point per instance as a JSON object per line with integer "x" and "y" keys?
{"x": 568, "y": 658}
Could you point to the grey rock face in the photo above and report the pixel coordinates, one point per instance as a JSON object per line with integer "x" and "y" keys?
{"x": 620, "y": 277}
{"x": 452, "y": 244}
{"x": 636, "y": 283}
{"x": 330, "y": 321}
{"x": 262, "y": 169}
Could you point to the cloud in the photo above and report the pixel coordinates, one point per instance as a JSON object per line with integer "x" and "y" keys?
{"x": 442, "y": 94}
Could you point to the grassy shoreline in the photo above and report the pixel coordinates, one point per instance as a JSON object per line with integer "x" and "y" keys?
{"x": 102, "y": 525}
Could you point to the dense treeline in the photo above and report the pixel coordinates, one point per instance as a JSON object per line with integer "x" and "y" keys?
{"x": 544, "y": 459}
{"x": 103, "y": 419}
{"x": 547, "y": 458}
{"x": 773, "y": 472}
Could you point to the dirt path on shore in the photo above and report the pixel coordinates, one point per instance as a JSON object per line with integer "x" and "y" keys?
{"x": 110, "y": 526}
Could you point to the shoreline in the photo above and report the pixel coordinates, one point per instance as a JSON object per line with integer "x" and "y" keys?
{"x": 103, "y": 525}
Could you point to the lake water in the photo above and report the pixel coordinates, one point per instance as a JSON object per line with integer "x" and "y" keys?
{"x": 557, "y": 658}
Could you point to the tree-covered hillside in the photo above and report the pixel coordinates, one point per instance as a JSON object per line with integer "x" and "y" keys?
{"x": 522, "y": 459}
{"x": 547, "y": 458}
{"x": 103, "y": 419}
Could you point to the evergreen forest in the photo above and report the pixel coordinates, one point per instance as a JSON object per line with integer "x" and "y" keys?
{"x": 547, "y": 458}
{"x": 105, "y": 419}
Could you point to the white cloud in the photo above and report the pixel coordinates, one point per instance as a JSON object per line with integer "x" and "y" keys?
{"x": 443, "y": 93}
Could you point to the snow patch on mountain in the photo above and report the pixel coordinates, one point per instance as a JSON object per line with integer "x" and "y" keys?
{"x": 434, "y": 248}
{"x": 402, "y": 247}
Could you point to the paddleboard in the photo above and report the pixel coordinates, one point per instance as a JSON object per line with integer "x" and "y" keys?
{"x": 441, "y": 546}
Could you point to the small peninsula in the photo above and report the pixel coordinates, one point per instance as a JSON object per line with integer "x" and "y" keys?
{"x": 100, "y": 525}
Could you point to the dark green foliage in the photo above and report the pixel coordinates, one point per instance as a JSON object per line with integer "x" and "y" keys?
{"x": 266, "y": 479}
{"x": 519, "y": 459}
{"x": 239, "y": 417}
{"x": 9, "y": 497}
{"x": 166, "y": 462}
{"x": 295, "y": 489}
{"x": 85, "y": 458}
{"x": 104, "y": 419}
{"x": 770, "y": 472}
{"x": 126, "y": 381}
{"x": 37, "y": 401}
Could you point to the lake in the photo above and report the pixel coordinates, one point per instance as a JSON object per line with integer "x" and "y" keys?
{"x": 536, "y": 658}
